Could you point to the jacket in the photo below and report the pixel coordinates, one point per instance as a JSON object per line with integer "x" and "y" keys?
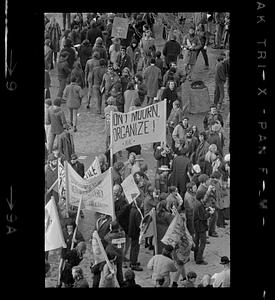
{"x": 142, "y": 91}
{"x": 63, "y": 68}
{"x": 202, "y": 149}
{"x": 152, "y": 78}
{"x": 149, "y": 203}
{"x": 73, "y": 95}
{"x": 134, "y": 223}
{"x": 192, "y": 54}
{"x": 217, "y": 139}
{"x": 162, "y": 160}
{"x": 103, "y": 227}
{"x": 171, "y": 96}
{"x": 148, "y": 46}
{"x": 66, "y": 144}
{"x": 209, "y": 118}
{"x": 84, "y": 54}
{"x": 200, "y": 217}
{"x": 56, "y": 118}
{"x": 79, "y": 75}
{"x": 123, "y": 62}
{"x": 123, "y": 216}
{"x": 179, "y": 133}
{"x": 129, "y": 97}
{"x": 171, "y": 51}
{"x": 175, "y": 117}
{"x": 92, "y": 34}
{"x": 97, "y": 75}
{"x": 90, "y": 65}
{"x": 72, "y": 55}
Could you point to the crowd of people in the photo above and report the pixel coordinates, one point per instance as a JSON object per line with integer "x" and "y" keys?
{"x": 193, "y": 170}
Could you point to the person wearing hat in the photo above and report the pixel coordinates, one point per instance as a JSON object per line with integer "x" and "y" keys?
{"x": 93, "y": 33}
{"x": 130, "y": 282}
{"x": 116, "y": 241}
{"x": 162, "y": 265}
{"x": 90, "y": 65}
{"x": 211, "y": 117}
{"x": 222, "y": 279}
{"x": 99, "y": 47}
{"x": 171, "y": 50}
{"x": 191, "y": 44}
{"x": 77, "y": 165}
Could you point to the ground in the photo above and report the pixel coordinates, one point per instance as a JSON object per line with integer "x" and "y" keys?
{"x": 90, "y": 141}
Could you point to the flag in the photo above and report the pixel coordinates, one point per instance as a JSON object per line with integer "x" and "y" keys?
{"x": 97, "y": 191}
{"x": 80, "y": 206}
{"x": 54, "y": 238}
{"x": 61, "y": 179}
{"x": 179, "y": 237}
{"x": 98, "y": 255}
{"x": 94, "y": 169}
{"x": 130, "y": 188}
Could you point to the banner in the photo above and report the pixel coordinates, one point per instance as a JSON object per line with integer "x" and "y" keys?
{"x": 97, "y": 191}
{"x": 54, "y": 238}
{"x": 179, "y": 237}
{"x": 130, "y": 188}
{"x": 141, "y": 126}
{"x": 120, "y": 28}
{"x": 98, "y": 255}
{"x": 93, "y": 170}
{"x": 61, "y": 179}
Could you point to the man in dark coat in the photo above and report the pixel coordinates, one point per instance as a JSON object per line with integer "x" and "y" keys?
{"x": 84, "y": 52}
{"x": 68, "y": 47}
{"x": 51, "y": 174}
{"x": 123, "y": 60}
{"x": 163, "y": 155}
{"x": 93, "y": 33}
{"x": 201, "y": 215}
{"x": 77, "y": 165}
{"x": 179, "y": 176}
{"x": 64, "y": 72}
{"x": 66, "y": 144}
{"x": 133, "y": 233}
{"x": 171, "y": 50}
{"x": 170, "y": 94}
{"x": 211, "y": 117}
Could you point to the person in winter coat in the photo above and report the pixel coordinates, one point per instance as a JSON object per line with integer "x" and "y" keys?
{"x": 159, "y": 62}
{"x": 125, "y": 78}
{"x": 93, "y": 33}
{"x": 179, "y": 133}
{"x": 116, "y": 241}
{"x": 201, "y": 150}
{"x": 51, "y": 174}
{"x": 141, "y": 63}
{"x": 83, "y": 32}
{"x": 191, "y": 44}
{"x": 114, "y": 51}
{"x": 65, "y": 144}
{"x": 204, "y": 42}
{"x": 134, "y": 53}
{"x": 57, "y": 120}
{"x": 90, "y": 65}
{"x": 171, "y": 96}
{"x": 68, "y": 47}
{"x": 54, "y": 33}
{"x": 134, "y": 232}
{"x": 140, "y": 87}
{"x": 84, "y": 52}
{"x": 191, "y": 143}
{"x": 173, "y": 199}
{"x": 129, "y": 96}
{"x": 188, "y": 203}
{"x": 211, "y": 117}
{"x": 64, "y": 72}
{"x": 163, "y": 220}
{"x": 75, "y": 35}
{"x": 171, "y": 50}
{"x": 107, "y": 112}
{"x": 123, "y": 61}
{"x": 96, "y": 81}
{"x": 116, "y": 92}
{"x": 77, "y": 165}
{"x": 162, "y": 265}
{"x": 163, "y": 155}
{"x": 98, "y": 47}
{"x": 180, "y": 166}
{"x": 47, "y": 84}
{"x": 78, "y": 74}
{"x": 215, "y": 136}
{"x": 152, "y": 78}
{"x": 73, "y": 95}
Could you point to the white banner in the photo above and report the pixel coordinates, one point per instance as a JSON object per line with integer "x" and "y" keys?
{"x": 130, "y": 188}
{"x": 94, "y": 169}
{"x": 141, "y": 126}
{"x": 61, "y": 179}
{"x": 97, "y": 191}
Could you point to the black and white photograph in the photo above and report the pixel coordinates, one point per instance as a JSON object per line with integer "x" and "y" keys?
{"x": 137, "y": 149}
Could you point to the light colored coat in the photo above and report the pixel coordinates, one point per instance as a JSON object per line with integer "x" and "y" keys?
{"x": 152, "y": 76}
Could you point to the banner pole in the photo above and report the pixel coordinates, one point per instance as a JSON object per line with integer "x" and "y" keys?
{"x": 155, "y": 231}
{"x": 77, "y": 221}
{"x": 52, "y": 186}
{"x": 111, "y": 139}
{"x": 112, "y": 195}
{"x": 67, "y": 187}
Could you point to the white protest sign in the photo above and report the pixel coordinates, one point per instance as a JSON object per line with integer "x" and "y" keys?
{"x": 141, "y": 126}
{"x": 93, "y": 170}
{"x": 97, "y": 191}
{"x": 130, "y": 188}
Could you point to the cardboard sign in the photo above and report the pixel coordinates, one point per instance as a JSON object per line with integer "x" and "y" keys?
{"x": 120, "y": 28}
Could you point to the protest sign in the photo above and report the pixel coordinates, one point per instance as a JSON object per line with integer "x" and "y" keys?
{"x": 120, "y": 28}
{"x": 130, "y": 188}
{"x": 54, "y": 238}
{"x": 97, "y": 191}
{"x": 61, "y": 179}
{"x": 93, "y": 170}
{"x": 141, "y": 126}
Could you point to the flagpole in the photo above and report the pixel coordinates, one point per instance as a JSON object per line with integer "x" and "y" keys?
{"x": 111, "y": 139}
{"x": 67, "y": 186}
{"x": 155, "y": 230}
{"x": 52, "y": 186}
{"x": 112, "y": 195}
{"x": 77, "y": 221}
